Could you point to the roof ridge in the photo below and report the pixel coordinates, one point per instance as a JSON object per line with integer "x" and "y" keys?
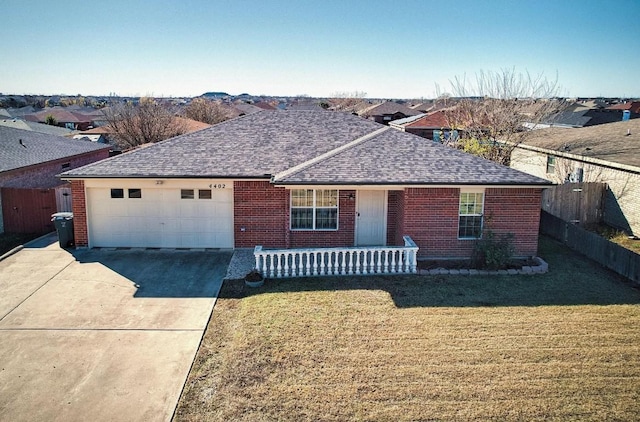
{"x": 329, "y": 154}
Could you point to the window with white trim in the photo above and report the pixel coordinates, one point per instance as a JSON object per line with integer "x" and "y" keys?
{"x": 314, "y": 209}
{"x": 470, "y": 215}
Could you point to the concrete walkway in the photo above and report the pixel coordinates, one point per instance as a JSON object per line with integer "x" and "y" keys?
{"x": 101, "y": 335}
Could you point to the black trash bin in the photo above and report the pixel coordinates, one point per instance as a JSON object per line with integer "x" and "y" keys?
{"x": 63, "y": 221}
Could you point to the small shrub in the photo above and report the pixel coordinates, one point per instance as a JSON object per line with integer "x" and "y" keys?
{"x": 492, "y": 252}
{"x": 253, "y": 276}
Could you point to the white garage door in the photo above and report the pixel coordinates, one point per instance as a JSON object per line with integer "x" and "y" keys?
{"x": 162, "y": 218}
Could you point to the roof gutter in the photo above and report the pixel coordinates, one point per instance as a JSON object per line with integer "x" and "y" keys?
{"x": 162, "y": 176}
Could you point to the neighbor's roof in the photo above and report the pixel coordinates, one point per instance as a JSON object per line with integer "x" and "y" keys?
{"x": 388, "y": 107}
{"x": 406, "y": 120}
{"x": 437, "y": 119}
{"x": 36, "y": 127}
{"x": 61, "y": 115}
{"x": 633, "y": 106}
{"x": 21, "y": 148}
{"x": 314, "y": 147}
{"x": 608, "y": 142}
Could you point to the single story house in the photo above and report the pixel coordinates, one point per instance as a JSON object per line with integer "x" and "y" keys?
{"x": 387, "y": 112}
{"x": 296, "y": 179}
{"x": 30, "y": 190}
{"x": 606, "y": 153}
{"x": 434, "y": 126}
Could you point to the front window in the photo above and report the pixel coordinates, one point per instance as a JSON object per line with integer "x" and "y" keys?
{"x": 314, "y": 209}
{"x": 470, "y": 215}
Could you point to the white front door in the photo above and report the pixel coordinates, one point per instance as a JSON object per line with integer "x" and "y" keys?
{"x": 371, "y": 218}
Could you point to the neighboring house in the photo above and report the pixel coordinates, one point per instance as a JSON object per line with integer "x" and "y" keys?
{"x": 37, "y": 127}
{"x": 605, "y": 153}
{"x": 29, "y": 165}
{"x": 434, "y": 126}
{"x": 292, "y": 179}
{"x": 104, "y": 134}
{"x": 265, "y": 105}
{"x": 387, "y": 112}
{"x": 424, "y": 107}
{"x": 579, "y": 114}
{"x": 632, "y": 106}
{"x": 64, "y": 118}
{"x": 243, "y": 109}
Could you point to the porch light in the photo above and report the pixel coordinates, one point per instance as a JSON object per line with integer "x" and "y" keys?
{"x": 351, "y": 197}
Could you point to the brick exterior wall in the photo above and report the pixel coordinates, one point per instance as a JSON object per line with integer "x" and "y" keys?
{"x": 261, "y": 217}
{"x": 79, "y": 206}
{"x": 431, "y": 219}
{"x": 260, "y": 214}
{"x": 44, "y": 175}
{"x": 395, "y": 218}
{"x": 428, "y": 215}
{"x": 515, "y": 211}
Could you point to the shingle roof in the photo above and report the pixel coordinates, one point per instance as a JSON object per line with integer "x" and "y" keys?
{"x": 608, "y": 142}
{"x": 393, "y": 157}
{"x": 406, "y": 120}
{"x": 437, "y": 119}
{"x": 37, "y": 148}
{"x": 306, "y": 147}
{"x": 36, "y": 127}
{"x": 389, "y": 107}
{"x": 250, "y": 146}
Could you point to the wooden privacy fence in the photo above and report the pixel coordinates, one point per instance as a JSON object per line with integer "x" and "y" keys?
{"x": 28, "y": 210}
{"x": 578, "y": 203}
{"x": 613, "y": 256}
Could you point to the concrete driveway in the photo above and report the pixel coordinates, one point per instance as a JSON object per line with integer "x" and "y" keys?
{"x": 101, "y": 335}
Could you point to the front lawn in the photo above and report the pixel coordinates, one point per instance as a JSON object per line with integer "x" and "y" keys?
{"x": 563, "y": 346}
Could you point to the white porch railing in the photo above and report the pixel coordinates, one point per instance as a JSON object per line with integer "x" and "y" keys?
{"x": 306, "y": 262}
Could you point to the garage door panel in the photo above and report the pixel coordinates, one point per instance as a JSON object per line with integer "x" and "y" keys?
{"x": 160, "y": 219}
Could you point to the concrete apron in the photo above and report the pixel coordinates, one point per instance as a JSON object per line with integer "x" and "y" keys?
{"x": 101, "y": 335}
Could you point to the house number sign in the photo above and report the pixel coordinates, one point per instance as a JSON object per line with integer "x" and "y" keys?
{"x": 217, "y": 186}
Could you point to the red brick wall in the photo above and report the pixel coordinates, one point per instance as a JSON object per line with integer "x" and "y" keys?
{"x": 395, "y": 218}
{"x": 260, "y": 214}
{"x": 515, "y": 211}
{"x": 262, "y": 210}
{"x": 431, "y": 219}
{"x": 44, "y": 175}
{"x": 79, "y": 204}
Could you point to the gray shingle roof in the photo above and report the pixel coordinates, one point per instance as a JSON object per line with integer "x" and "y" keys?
{"x": 37, "y": 148}
{"x": 394, "y": 157}
{"x": 301, "y": 146}
{"x": 613, "y": 142}
{"x": 389, "y": 107}
{"x": 255, "y": 145}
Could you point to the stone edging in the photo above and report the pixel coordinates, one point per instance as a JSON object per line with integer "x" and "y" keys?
{"x": 541, "y": 268}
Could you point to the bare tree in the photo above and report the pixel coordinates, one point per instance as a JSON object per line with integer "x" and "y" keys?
{"x": 133, "y": 125}
{"x": 207, "y": 111}
{"x": 494, "y": 113}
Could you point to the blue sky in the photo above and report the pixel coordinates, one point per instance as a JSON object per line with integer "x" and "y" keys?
{"x": 320, "y": 47}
